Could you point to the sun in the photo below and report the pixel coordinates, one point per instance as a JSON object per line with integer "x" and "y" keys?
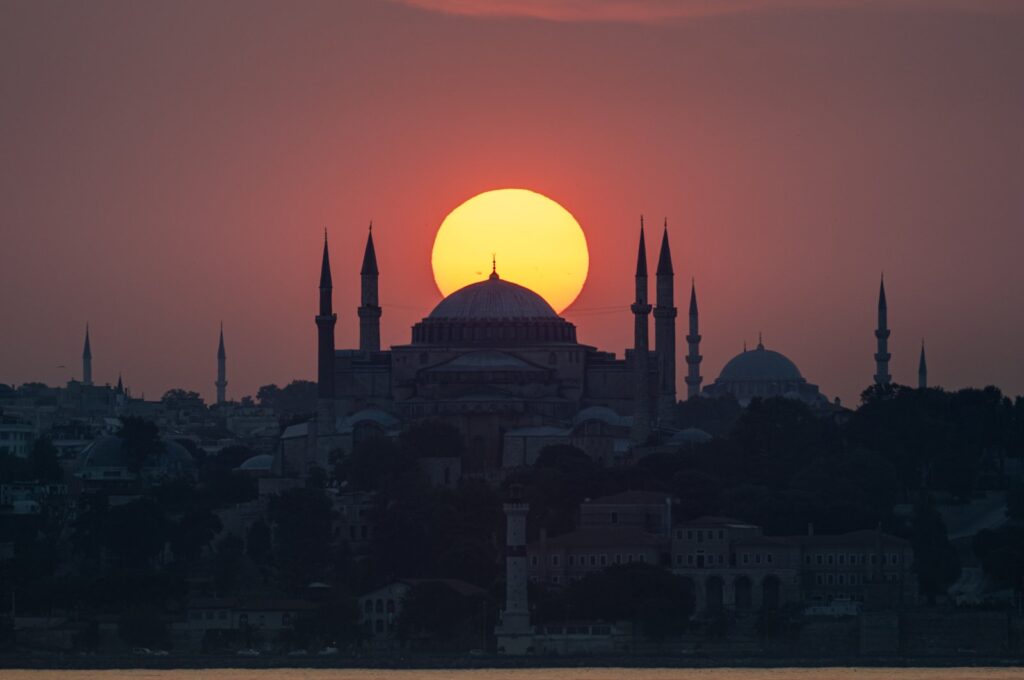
{"x": 535, "y": 242}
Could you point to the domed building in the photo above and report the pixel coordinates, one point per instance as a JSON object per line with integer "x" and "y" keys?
{"x": 105, "y": 460}
{"x": 492, "y": 358}
{"x": 763, "y": 373}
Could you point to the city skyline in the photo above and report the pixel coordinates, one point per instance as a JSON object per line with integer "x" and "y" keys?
{"x": 784, "y": 203}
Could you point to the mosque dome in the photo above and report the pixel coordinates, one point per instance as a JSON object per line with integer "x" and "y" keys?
{"x": 760, "y": 365}
{"x": 493, "y": 298}
{"x": 493, "y": 312}
{"x": 108, "y": 453}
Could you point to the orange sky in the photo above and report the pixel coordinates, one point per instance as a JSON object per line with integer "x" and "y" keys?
{"x": 166, "y": 166}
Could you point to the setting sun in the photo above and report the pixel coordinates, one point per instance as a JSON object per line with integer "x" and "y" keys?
{"x": 536, "y": 242}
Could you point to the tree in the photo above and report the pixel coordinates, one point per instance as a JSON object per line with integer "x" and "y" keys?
{"x": 435, "y": 615}
{"x": 193, "y": 532}
{"x": 140, "y": 439}
{"x": 257, "y": 542}
{"x": 935, "y": 560}
{"x": 135, "y": 532}
{"x": 43, "y": 462}
{"x": 432, "y": 439}
{"x": 302, "y": 520}
{"x": 659, "y": 601}
{"x": 142, "y": 627}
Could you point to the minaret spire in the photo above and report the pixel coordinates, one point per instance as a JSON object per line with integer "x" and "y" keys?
{"x": 222, "y": 372}
{"x": 665, "y": 331}
{"x": 693, "y": 357}
{"x": 641, "y": 347}
{"x": 882, "y": 355}
{"x": 922, "y": 369}
{"x": 325, "y": 322}
{"x": 87, "y": 358}
{"x": 369, "y": 308}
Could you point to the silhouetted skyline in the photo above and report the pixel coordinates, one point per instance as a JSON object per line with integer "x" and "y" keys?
{"x": 170, "y": 169}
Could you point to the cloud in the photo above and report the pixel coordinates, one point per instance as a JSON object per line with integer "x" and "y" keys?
{"x": 646, "y": 11}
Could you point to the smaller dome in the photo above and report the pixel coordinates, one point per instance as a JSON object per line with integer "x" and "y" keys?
{"x": 493, "y": 298}
{"x": 258, "y": 463}
{"x": 760, "y": 364}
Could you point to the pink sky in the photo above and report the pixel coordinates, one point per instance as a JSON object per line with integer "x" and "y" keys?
{"x": 164, "y": 166}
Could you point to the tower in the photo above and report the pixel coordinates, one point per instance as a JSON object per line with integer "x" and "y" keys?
{"x": 922, "y": 370}
{"x": 86, "y": 359}
{"x": 641, "y": 346}
{"x": 882, "y": 356}
{"x": 693, "y": 357}
{"x": 369, "y": 309}
{"x": 325, "y": 322}
{"x": 665, "y": 331}
{"x": 513, "y": 631}
{"x": 222, "y": 373}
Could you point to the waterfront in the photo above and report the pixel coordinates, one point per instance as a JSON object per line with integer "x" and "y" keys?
{"x": 880, "y": 673}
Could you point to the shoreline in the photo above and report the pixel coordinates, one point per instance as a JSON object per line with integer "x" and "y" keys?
{"x": 453, "y": 662}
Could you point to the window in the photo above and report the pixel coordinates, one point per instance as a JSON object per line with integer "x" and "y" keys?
{"x": 391, "y": 606}
{"x": 841, "y": 579}
{"x": 555, "y": 579}
{"x": 554, "y": 560}
{"x": 817, "y": 579}
{"x": 768, "y": 558}
{"x": 379, "y": 606}
{"x": 615, "y": 518}
{"x": 689, "y": 560}
{"x": 831, "y": 560}
{"x": 700, "y": 536}
{"x": 593, "y": 560}
{"x": 689, "y": 534}
{"x": 842, "y": 559}
{"x": 746, "y": 558}
{"x": 534, "y": 560}
{"x": 679, "y": 560}
{"x": 572, "y": 560}
{"x": 368, "y": 607}
{"x": 679, "y": 535}
{"x": 807, "y": 559}
{"x": 819, "y": 559}
{"x": 721, "y": 535}
{"x": 829, "y": 579}
{"x": 604, "y": 560}
{"x": 641, "y": 558}
{"x": 757, "y": 558}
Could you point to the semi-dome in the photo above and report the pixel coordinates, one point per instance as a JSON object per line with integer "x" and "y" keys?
{"x": 760, "y": 364}
{"x": 493, "y": 298}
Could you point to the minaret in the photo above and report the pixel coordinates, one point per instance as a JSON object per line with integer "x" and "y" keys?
{"x": 325, "y": 322}
{"x": 665, "y": 331}
{"x": 641, "y": 346}
{"x": 513, "y": 632}
{"x": 882, "y": 356}
{"x": 922, "y": 370}
{"x": 222, "y": 371}
{"x": 86, "y": 359}
{"x": 369, "y": 309}
{"x": 693, "y": 357}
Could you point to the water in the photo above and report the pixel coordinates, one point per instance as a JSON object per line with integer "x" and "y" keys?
{"x": 534, "y": 674}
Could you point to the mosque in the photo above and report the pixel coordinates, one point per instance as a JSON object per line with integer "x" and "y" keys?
{"x": 496, "y": 361}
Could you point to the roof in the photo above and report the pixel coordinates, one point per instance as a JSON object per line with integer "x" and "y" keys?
{"x": 457, "y": 585}
{"x": 632, "y": 498}
{"x": 760, "y": 364}
{"x": 602, "y": 537}
{"x": 493, "y": 298}
{"x": 538, "y": 431}
{"x": 863, "y": 537}
{"x": 295, "y": 431}
{"x": 718, "y": 521}
{"x": 258, "y": 463}
{"x": 484, "y": 361}
{"x": 604, "y": 414}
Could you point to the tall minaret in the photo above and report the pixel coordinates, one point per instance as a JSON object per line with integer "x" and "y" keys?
{"x": 513, "y": 632}
{"x": 922, "y": 370}
{"x": 86, "y": 359}
{"x": 369, "y": 309}
{"x": 325, "y": 322}
{"x": 882, "y": 356}
{"x": 693, "y": 357}
{"x": 665, "y": 331}
{"x": 222, "y": 370}
{"x": 641, "y": 346}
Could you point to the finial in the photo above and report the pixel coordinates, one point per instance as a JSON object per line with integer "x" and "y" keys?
{"x": 760, "y": 344}
{"x": 641, "y": 221}
{"x": 744, "y": 345}
{"x": 371, "y": 226}
{"x": 494, "y": 267}
{"x": 325, "y": 234}
{"x": 666, "y": 224}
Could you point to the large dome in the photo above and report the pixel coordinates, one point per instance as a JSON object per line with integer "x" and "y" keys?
{"x": 760, "y": 365}
{"x": 493, "y": 299}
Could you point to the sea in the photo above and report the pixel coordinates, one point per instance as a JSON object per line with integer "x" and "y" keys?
{"x": 530, "y": 674}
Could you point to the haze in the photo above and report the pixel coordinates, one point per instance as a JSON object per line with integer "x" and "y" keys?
{"x": 166, "y": 166}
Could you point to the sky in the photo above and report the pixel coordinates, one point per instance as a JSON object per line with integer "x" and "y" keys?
{"x": 168, "y": 166}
